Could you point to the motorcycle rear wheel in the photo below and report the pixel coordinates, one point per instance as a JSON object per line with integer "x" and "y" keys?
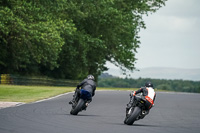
{"x": 78, "y": 108}
{"x": 130, "y": 119}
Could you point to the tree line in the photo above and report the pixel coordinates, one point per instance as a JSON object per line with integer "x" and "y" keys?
{"x": 161, "y": 84}
{"x": 70, "y": 38}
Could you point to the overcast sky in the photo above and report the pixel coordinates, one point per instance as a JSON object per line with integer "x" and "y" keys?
{"x": 172, "y": 36}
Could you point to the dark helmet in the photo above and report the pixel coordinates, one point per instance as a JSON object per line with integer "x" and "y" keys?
{"x": 149, "y": 84}
{"x": 90, "y": 77}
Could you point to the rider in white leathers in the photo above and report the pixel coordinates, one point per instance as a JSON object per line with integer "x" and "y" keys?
{"x": 149, "y": 94}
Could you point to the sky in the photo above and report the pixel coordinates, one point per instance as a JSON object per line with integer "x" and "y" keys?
{"x": 171, "y": 38}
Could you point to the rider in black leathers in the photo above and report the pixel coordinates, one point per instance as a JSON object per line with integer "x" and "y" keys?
{"x": 88, "y": 85}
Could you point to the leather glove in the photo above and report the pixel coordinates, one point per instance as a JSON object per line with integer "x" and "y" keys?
{"x": 133, "y": 93}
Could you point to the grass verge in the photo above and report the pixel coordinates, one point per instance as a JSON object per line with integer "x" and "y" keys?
{"x": 122, "y": 89}
{"x": 26, "y": 94}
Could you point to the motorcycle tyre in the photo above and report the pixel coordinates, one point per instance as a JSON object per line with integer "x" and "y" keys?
{"x": 129, "y": 120}
{"x": 78, "y": 108}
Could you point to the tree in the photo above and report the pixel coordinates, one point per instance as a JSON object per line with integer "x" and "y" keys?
{"x": 70, "y": 39}
{"x": 30, "y": 35}
{"x": 107, "y": 31}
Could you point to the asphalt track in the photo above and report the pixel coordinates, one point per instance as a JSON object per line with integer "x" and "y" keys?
{"x": 173, "y": 113}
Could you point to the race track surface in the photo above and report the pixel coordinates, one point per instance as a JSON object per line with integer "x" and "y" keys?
{"x": 173, "y": 113}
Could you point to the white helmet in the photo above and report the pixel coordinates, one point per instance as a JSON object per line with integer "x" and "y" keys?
{"x": 90, "y": 77}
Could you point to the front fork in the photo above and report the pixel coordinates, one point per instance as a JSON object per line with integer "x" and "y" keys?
{"x": 130, "y": 104}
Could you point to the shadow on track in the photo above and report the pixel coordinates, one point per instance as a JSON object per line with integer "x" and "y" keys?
{"x": 83, "y": 115}
{"x": 136, "y": 125}
{"x": 144, "y": 125}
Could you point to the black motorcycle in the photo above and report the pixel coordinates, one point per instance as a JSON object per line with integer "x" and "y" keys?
{"x": 81, "y": 102}
{"x": 135, "y": 110}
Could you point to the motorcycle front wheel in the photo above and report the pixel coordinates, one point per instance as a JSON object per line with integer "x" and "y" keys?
{"x": 78, "y": 107}
{"x": 132, "y": 115}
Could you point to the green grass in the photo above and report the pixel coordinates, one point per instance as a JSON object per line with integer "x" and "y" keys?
{"x": 11, "y": 93}
{"x": 123, "y": 89}
{"x": 26, "y": 94}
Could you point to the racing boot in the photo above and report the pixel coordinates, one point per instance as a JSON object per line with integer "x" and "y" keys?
{"x": 86, "y": 105}
{"x": 72, "y": 101}
{"x": 130, "y": 104}
{"x": 144, "y": 113}
{"x": 75, "y": 96}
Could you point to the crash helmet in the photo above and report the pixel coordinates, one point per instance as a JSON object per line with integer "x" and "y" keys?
{"x": 90, "y": 77}
{"x": 148, "y": 84}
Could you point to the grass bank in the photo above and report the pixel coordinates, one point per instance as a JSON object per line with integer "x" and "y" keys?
{"x": 122, "y": 89}
{"x": 26, "y": 94}
{"x": 12, "y": 93}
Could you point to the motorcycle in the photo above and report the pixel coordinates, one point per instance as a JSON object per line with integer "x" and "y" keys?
{"x": 136, "y": 110}
{"x": 81, "y": 101}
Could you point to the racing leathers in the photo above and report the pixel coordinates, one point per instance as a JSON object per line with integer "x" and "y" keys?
{"x": 148, "y": 93}
{"x": 87, "y": 85}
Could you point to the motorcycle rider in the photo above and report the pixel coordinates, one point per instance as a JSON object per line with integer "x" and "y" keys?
{"x": 88, "y": 87}
{"x": 148, "y": 93}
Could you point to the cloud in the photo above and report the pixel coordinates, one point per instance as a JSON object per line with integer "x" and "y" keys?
{"x": 182, "y": 8}
{"x": 171, "y": 38}
{"x": 178, "y": 16}
{"x": 176, "y": 24}
{"x": 180, "y": 24}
